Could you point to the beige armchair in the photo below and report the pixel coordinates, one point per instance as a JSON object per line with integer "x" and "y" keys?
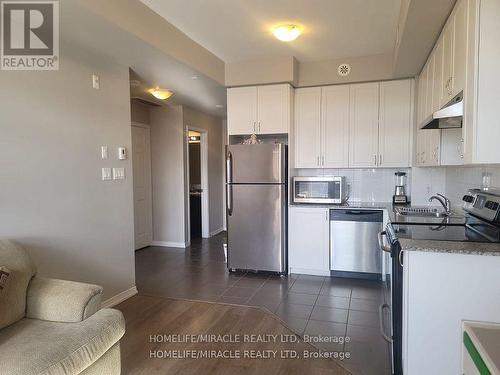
{"x": 53, "y": 327}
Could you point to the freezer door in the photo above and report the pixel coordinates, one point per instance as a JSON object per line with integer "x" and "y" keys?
{"x": 253, "y": 164}
{"x": 256, "y": 226}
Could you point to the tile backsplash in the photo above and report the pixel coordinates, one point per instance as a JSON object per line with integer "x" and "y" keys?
{"x": 377, "y": 185}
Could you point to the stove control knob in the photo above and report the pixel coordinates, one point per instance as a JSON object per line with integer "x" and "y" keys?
{"x": 468, "y": 198}
{"x": 491, "y": 205}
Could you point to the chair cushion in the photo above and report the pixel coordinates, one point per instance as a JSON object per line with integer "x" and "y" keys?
{"x": 38, "y": 347}
{"x": 22, "y": 269}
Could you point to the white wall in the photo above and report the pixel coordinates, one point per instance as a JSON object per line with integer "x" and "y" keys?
{"x": 167, "y": 170}
{"x": 52, "y": 199}
{"x": 213, "y": 125}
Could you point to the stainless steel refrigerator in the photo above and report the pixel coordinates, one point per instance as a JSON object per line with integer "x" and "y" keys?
{"x": 256, "y": 190}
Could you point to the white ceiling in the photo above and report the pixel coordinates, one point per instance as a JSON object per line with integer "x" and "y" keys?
{"x": 238, "y": 30}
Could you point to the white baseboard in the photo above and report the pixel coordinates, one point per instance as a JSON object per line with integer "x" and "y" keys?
{"x": 216, "y": 232}
{"x": 181, "y": 245}
{"x": 120, "y": 297}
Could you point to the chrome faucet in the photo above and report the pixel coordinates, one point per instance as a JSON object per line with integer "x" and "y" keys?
{"x": 445, "y": 202}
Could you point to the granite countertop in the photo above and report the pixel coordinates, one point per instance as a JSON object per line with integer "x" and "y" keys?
{"x": 456, "y": 247}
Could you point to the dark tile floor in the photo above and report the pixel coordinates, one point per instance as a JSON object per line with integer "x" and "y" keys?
{"x": 310, "y": 305}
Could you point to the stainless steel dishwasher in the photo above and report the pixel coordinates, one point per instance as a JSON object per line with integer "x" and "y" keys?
{"x": 354, "y": 249}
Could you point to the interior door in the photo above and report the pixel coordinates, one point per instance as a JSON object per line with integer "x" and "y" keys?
{"x": 256, "y": 227}
{"x": 273, "y": 109}
{"x": 307, "y": 128}
{"x": 363, "y": 140}
{"x": 141, "y": 164}
{"x": 335, "y": 126}
{"x": 242, "y": 110}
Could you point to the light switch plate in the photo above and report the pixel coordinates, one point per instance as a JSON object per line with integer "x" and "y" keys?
{"x": 95, "y": 82}
{"x": 104, "y": 152}
{"x": 106, "y": 174}
{"x": 118, "y": 173}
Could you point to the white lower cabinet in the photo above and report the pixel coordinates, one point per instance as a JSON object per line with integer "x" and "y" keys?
{"x": 440, "y": 291}
{"x": 309, "y": 240}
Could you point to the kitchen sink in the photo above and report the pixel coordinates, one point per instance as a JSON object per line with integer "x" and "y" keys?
{"x": 420, "y": 211}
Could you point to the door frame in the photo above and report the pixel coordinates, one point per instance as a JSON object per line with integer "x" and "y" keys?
{"x": 205, "y": 194}
{"x": 148, "y": 128}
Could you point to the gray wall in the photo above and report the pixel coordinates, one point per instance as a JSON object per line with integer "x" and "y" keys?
{"x": 140, "y": 112}
{"x": 52, "y": 199}
{"x": 167, "y": 170}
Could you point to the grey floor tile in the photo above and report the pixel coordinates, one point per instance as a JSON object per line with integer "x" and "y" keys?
{"x": 296, "y": 324}
{"x": 306, "y": 286}
{"x": 250, "y": 282}
{"x": 329, "y": 315}
{"x": 301, "y": 298}
{"x": 365, "y": 304}
{"x": 290, "y": 310}
{"x": 368, "y": 293}
{"x": 364, "y": 318}
{"x": 335, "y": 290}
{"x": 238, "y": 291}
{"x": 270, "y": 304}
{"x": 333, "y": 302}
{"x": 316, "y": 328}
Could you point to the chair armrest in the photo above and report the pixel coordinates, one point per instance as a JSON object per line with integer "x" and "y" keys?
{"x": 62, "y": 300}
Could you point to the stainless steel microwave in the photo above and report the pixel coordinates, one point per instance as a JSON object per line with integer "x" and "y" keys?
{"x": 326, "y": 189}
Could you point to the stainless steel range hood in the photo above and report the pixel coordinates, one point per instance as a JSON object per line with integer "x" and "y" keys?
{"x": 450, "y": 116}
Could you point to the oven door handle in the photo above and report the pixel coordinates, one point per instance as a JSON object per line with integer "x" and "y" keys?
{"x": 381, "y": 242}
{"x": 381, "y": 309}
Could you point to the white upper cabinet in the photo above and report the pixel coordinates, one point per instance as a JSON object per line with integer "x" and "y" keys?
{"x": 242, "y": 110}
{"x": 460, "y": 24}
{"x": 447, "y": 63}
{"x": 259, "y": 109}
{"x": 363, "y": 139}
{"x": 273, "y": 109}
{"x": 437, "y": 90}
{"x": 307, "y": 130}
{"x": 335, "y": 126}
{"x": 396, "y": 115}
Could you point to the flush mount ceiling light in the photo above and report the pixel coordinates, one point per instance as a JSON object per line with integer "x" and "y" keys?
{"x": 160, "y": 93}
{"x": 287, "y": 32}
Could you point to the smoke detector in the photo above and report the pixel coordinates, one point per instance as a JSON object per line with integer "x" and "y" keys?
{"x": 344, "y": 70}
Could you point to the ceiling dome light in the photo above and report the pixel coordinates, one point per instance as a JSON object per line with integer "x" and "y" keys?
{"x": 287, "y": 33}
{"x": 160, "y": 94}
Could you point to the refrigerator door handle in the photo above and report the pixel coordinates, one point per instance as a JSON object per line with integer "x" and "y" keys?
{"x": 229, "y": 167}
{"x": 229, "y": 199}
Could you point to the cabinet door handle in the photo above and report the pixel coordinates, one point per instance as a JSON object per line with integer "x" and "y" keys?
{"x": 380, "y": 159}
{"x": 374, "y": 159}
{"x": 323, "y": 160}
{"x": 381, "y": 322}
{"x": 254, "y": 127}
{"x": 317, "y": 161}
